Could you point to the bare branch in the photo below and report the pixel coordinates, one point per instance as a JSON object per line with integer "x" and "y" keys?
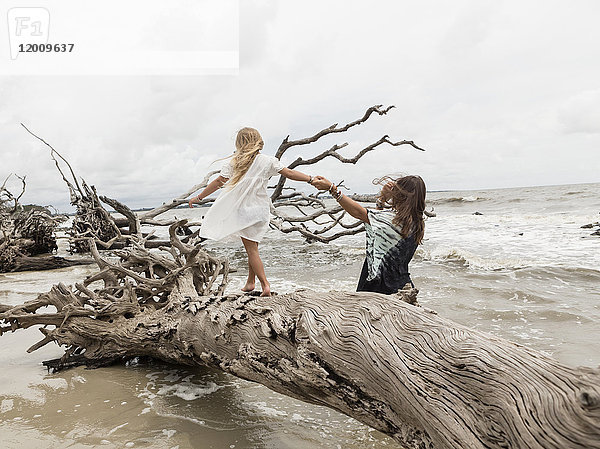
{"x": 22, "y": 178}
{"x": 378, "y": 109}
{"x": 352, "y": 160}
{"x": 52, "y": 153}
{"x": 3, "y": 186}
{"x": 333, "y": 151}
{"x": 182, "y": 199}
{"x": 312, "y": 236}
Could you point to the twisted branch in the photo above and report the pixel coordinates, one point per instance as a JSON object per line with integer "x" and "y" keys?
{"x": 140, "y": 281}
{"x": 332, "y": 152}
{"x": 309, "y": 223}
{"x": 286, "y": 144}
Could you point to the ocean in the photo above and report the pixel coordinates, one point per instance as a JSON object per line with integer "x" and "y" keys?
{"x": 510, "y": 262}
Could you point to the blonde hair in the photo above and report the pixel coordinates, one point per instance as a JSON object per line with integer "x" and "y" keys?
{"x": 248, "y": 144}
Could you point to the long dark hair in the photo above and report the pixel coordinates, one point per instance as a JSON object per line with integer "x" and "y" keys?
{"x": 408, "y": 202}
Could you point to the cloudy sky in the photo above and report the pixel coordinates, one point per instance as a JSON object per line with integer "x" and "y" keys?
{"x": 500, "y": 93}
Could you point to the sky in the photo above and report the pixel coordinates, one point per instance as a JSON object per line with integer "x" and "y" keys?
{"x": 499, "y": 93}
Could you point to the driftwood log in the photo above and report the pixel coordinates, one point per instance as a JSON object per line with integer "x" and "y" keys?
{"x": 424, "y": 380}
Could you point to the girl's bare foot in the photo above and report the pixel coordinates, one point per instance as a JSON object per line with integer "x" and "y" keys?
{"x": 248, "y": 288}
{"x": 266, "y": 290}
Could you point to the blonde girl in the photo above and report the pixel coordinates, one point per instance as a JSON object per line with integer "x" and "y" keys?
{"x": 242, "y": 208}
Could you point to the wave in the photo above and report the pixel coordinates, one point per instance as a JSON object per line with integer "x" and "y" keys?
{"x": 519, "y": 315}
{"x": 188, "y": 391}
{"x": 526, "y": 267}
{"x": 580, "y": 273}
{"x": 170, "y": 383}
{"x": 465, "y": 259}
{"x": 457, "y": 199}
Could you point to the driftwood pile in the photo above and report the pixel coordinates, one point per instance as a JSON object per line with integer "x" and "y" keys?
{"x": 94, "y": 221}
{"x": 27, "y": 234}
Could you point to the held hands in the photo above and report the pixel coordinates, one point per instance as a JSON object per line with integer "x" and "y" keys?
{"x": 321, "y": 183}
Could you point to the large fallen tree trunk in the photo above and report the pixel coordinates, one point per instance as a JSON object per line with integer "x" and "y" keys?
{"x": 424, "y": 380}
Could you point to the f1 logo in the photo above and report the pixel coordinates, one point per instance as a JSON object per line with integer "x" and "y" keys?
{"x": 27, "y": 25}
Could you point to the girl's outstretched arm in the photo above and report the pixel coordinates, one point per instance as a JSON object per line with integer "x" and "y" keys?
{"x": 295, "y": 175}
{"x": 212, "y": 186}
{"x": 349, "y": 205}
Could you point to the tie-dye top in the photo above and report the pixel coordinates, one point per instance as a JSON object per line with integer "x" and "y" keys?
{"x": 387, "y": 256}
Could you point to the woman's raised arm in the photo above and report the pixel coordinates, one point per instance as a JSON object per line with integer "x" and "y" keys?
{"x": 349, "y": 205}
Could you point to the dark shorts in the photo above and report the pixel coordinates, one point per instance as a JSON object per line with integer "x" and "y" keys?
{"x": 389, "y": 281}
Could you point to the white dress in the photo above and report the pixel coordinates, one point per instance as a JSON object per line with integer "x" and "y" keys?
{"x": 243, "y": 211}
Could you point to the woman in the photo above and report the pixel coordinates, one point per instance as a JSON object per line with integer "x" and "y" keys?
{"x": 392, "y": 234}
{"x": 242, "y": 209}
